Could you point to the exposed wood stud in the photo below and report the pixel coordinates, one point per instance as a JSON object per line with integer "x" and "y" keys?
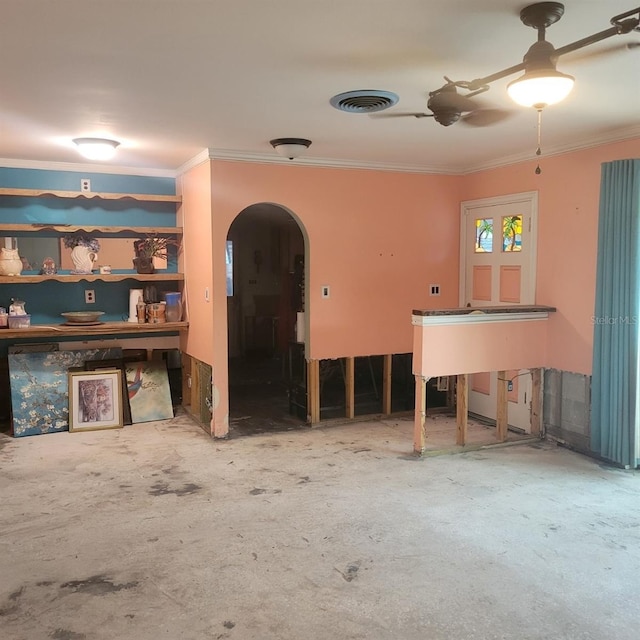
{"x": 195, "y": 388}
{"x": 420, "y": 417}
{"x": 386, "y": 384}
{"x": 313, "y": 391}
{"x": 186, "y": 378}
{"x": 502, "y": 407}
{"x": 349, "y": 387}
{"x": 536, "y": 402}
{"x": 462, "y": 404}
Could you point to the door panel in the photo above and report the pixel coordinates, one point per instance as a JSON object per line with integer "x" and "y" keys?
{"x": 497, "y": 267}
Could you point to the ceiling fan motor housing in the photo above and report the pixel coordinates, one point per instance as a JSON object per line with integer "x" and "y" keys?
{"x": 446, "y": 116}
{"x": 541, "y": 55}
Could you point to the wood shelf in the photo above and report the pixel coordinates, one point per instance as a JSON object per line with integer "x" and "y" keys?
{"x": 93, "y": 277}
{"x": 87, "y": 195}
{"x": 88, "y": 228}
{"x": 106, "y": 329}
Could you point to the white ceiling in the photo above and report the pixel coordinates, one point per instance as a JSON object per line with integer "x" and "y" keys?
{"x": 170, "y": 78}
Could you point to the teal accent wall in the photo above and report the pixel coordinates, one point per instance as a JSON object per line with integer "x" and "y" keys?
{"x": 45, "y": 301}
{"x": 53, "y": 210}
{"x": 70, "y": 181}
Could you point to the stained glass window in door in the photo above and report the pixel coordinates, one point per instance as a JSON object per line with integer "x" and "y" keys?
{"x": 512, "y": 233}
{"x": 484, "y": 235}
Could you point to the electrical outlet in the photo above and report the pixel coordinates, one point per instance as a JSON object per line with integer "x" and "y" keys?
{"x": 89, "y": 296}
{"x": 85, "y": 184}
{"x": 434, "y": 289}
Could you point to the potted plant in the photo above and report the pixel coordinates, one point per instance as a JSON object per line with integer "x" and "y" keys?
{"x": 151, "y": 247}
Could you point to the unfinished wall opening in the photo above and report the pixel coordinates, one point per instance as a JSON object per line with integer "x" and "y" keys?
{"x": 266, "y": 271}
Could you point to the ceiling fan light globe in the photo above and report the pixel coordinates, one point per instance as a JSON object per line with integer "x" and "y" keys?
{"x": 96, "y": 148}
{"x": 540, "y": 88}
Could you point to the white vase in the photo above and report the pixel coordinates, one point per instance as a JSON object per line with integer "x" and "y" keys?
{"x": 83, "y": 259}
{"x": 10, "y": 262}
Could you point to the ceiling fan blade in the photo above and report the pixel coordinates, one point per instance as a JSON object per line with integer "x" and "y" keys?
{"x": 406, "y": 114}
{"x": 486, "y": 117}
{"x": 584, "y": 55}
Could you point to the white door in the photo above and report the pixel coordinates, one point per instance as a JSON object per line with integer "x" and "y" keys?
{"x": 497, "y": 268}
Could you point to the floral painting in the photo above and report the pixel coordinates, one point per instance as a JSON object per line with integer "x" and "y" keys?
{"x": 40, "y": 388}
{"x": 148, "y": 390}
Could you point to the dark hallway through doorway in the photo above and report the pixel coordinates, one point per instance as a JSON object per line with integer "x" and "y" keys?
{"x": 265, "y": 256}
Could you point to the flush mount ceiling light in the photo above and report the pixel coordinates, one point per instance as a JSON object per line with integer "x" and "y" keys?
{"x": 96, "y": 148}
{"x": 290, "y": 147}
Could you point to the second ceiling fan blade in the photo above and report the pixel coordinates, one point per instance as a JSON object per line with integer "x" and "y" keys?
{"x": 602, "y": 52}
{"x": 405, "y": 114}
{"x": 486, "y": 117}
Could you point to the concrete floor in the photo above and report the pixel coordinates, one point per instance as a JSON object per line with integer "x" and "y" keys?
{"x": 155, "y": 531}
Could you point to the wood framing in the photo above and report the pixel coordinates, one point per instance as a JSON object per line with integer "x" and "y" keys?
{"x": 419, "y": 435}
{"x": 387, "y": 367}
{"x": 536, "y": 402}
{"x": 502, "y": 407}
{"x": 349, "y": 387}
{"x": 313, "y": 391}
{"x": 462, "y": 408}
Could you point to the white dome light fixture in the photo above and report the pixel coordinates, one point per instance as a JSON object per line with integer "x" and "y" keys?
{"x": 290, "y": 147}
{"x": 540, "y": 88}
{"x": 541, "y": 84}
{"x": 96, "y": 148}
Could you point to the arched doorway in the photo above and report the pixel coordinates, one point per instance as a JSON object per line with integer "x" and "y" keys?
{"x": 266, "y": 257}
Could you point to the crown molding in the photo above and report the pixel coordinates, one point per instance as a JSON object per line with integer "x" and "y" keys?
{"x": 12, "y": 163}
{"x": 199, "y": 158}
{"x": 331, "y": 163}
{"x": 616, "y": 135}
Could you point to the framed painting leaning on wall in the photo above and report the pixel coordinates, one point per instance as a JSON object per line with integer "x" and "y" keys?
{"x": 95, "y": 400}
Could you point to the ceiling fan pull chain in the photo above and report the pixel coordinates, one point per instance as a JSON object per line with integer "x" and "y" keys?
{"x": 539, "y": 150}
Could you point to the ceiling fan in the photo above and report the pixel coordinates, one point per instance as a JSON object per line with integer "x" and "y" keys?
{"x": 447, "y": 107}
{"x": 541, "y": 84}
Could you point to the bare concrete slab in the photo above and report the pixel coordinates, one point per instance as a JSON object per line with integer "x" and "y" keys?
{"x": 156, "y": 531}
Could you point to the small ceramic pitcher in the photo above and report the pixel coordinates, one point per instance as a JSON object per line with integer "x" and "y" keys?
{"x": 82, "y": 258}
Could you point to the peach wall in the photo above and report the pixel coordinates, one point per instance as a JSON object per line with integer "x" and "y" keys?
{"x": 378, "y": 239}
{"x": 194, "y": 216}
{"x": 568, "y": 191}
{"x": 444, "y": 350}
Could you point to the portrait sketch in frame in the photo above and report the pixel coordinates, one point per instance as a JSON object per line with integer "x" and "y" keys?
{"x": 95, "y": 400}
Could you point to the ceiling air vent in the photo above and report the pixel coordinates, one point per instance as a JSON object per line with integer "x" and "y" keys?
{"x": 364, "y": 101}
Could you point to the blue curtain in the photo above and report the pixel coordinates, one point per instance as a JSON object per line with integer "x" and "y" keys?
{"x": 615, "y": 399}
